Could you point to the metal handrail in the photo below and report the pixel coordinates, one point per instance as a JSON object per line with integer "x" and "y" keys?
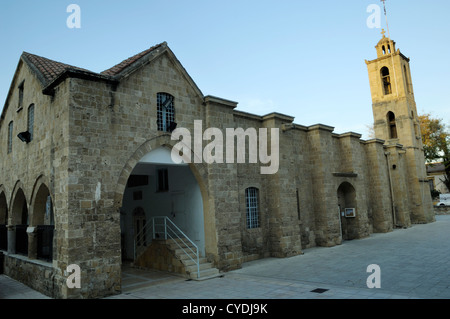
{"x": 173, "y": 231}
{"x": 139, "y": 237}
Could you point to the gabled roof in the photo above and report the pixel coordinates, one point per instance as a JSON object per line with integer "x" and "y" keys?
{"x": 47, "y": 70}
{"x": 115, "y": 70}
{"x": 50, "y": 73}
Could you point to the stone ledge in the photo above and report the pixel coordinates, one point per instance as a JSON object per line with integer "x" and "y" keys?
{"x": 31, "y": 261}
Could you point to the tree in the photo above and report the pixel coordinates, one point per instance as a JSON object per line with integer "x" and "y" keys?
{"x": 436, "y": 143}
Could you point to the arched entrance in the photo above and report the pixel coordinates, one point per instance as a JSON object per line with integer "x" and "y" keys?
{"x": 3, "y": 222}
{"x": 159, "y": 188}
{"x": 43, "y": 220}
{"x": 347, "y": 210}
{"x": 20, "y": 220}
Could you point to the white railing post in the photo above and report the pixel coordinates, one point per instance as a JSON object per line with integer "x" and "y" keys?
{"x": 153, "y": 228}
{"x": 165, "y": 228}
{"x": 198, "y": 265}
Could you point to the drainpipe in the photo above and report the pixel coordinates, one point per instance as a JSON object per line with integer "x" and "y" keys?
{"x": 392, "y": 190}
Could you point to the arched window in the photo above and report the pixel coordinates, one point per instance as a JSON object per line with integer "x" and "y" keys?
{"x": 386, "y": 80}
{"x": 165, "y": 112}
{"x": 10, "y": 135}
{"x": 392, "y": 125}
{"x": 384, "y": 49}
{"x": 31, "y": 120}
{"x": 21, "y": 86}
{"x": 252, "y": 205}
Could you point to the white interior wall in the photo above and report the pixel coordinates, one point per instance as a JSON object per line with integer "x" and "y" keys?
{"x": 183, "y": 202}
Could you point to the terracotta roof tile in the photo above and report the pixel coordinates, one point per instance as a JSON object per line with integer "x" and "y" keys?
{"x": 125, "y": 63}
{"x": 49, "y": 69}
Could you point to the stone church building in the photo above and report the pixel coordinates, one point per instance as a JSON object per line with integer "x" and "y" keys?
{"x": 87, "y": 177}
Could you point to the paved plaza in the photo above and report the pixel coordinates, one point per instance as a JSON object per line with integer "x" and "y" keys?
{"x": 414, "y": 263}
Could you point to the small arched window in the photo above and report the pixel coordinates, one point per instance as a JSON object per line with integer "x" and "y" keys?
{"x": 31, "y": 120}
{"x": 384, "y": 49}
{"x": 165, "y": 112}
{"x": 10, "y": 135}
{"x": 392, "y": 125}
{"x": 252, "y": 205}
{"x": 386, "y": 80}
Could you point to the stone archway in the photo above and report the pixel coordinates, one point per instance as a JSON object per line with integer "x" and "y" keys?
{"x": 347, "y": 207}
{"x": 18, "y": 241}
{"x": 199, "y": 175}
{"x": 3, "y": 220}
{"x": 43, "y": 222}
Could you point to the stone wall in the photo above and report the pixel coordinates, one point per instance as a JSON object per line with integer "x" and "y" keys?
{"x": 42, "y": 161}
{"x": 40, "y": 276}
{"x": 442, "y": 210}
{"x": 159, "y": 256}
{"x": 90, "y": 135}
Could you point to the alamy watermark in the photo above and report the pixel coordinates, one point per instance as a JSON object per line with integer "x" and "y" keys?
{"x": 190, "y": 149}
{"x": 374, "y": 279}
{"x": 74, "y": 19}
{"x": 74, "y": 280}
{"x": 374, "y": 20}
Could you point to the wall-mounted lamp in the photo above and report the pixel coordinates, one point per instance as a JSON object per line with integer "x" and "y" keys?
{"x": 172, "y": 126}
{"x": 25, "y": 136}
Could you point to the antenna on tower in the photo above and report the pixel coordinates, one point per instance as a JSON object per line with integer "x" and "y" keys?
{"x": 389, "y": 37}
{"x": 385, "y": 16}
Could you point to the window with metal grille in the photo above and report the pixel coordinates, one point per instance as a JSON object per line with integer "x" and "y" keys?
{"x": 251, "y": 200}
{"x": 165, "y": 111}
{"x": 31, "y": 120}
{"x": 10, "y": 134}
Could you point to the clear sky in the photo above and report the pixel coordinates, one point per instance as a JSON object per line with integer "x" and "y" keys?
{"x": 300, "y": 58}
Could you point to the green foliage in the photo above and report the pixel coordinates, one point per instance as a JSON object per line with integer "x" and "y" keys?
{"x": 436, "y": 143}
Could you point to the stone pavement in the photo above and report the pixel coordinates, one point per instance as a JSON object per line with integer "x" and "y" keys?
{"x": 414, "y": 263}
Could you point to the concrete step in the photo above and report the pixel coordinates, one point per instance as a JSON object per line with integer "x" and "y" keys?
{"x": 193, "y": 268}
{"x": 207, "y": 270}
{"x": 189, "y": 262}
{"x": 181, "y": 245}
{"x": 180, "y": 241}
{"x": 205, "y": 274}
{"x": 184, "y": 254}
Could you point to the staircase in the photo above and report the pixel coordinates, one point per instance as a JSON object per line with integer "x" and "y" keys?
{"x": 177, "y": 245}
{"x": 202, "y": 270}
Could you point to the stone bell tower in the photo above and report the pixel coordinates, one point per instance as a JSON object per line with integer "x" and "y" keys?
{"x": 396, "y": 122}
